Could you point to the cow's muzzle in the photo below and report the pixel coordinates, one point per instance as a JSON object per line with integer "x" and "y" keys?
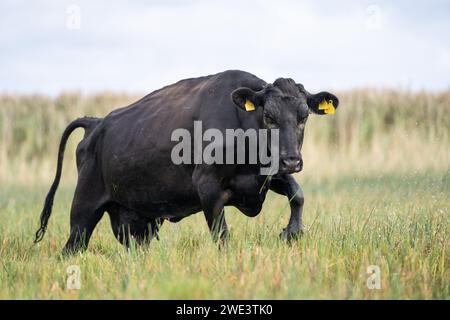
{"x": 291, "y": 165}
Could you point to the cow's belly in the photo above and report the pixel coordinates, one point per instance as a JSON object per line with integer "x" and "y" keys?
{"x": 152, "y": 186}
{"x": 152, "y": 205}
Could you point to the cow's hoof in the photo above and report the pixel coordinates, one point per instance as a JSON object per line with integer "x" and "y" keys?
{"x": 288, "y": 235}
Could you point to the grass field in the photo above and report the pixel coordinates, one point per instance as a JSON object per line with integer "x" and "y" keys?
{"x": 377, "y": 192}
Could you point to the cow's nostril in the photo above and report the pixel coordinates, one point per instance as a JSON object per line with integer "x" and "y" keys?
{"x": 292, "y": 162}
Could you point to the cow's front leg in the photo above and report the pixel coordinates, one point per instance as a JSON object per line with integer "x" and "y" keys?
{"x": 286, "y": 185}
{"x": 213, "y": 199}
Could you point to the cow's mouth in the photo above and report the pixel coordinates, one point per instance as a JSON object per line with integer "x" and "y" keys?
{"x": 290, "y": 170}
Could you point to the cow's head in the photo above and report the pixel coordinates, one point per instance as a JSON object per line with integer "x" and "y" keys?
{"x": 285, "y": 106}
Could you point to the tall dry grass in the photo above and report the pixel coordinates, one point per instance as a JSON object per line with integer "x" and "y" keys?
{"x": 372, "y": 131}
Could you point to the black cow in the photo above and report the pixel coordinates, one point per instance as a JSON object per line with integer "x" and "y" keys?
{"x": 125, "y": 168}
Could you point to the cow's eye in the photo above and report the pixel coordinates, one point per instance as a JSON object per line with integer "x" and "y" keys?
{"x": 302, "y": 118}
{"x": 270, "y": 120}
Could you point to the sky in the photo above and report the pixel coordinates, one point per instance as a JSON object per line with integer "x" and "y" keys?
{"x": 49, "y": 47}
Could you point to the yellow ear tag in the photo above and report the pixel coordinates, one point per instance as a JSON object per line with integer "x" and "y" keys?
{"x": 249, "y": 106}
{"x": 327, "y": 107}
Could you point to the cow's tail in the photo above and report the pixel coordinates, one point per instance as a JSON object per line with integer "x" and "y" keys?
{"x": 86, "y": 123}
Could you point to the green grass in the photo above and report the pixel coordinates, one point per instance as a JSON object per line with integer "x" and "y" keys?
{"x": 399, "y": 222}
{"x": 377, "y": 188}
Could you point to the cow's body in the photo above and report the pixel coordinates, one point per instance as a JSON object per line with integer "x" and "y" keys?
{"x": 132, "y": 146}
{"x": 125, "y": 167}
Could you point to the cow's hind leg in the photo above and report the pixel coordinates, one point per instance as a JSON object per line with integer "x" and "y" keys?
{"x": 87, "y": 210}
{"x": 127, "y": 224}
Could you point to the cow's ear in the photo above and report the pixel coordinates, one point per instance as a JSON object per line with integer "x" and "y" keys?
{"x": 323, "y": 103}
{"x": 247, "y": 99}
{"x": 320, "y": 103}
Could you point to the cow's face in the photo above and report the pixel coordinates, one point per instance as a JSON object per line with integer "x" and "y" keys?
{"x": 285, "y": 106}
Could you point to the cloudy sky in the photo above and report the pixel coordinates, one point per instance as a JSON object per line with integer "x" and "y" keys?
{"x": 138, "y": 46}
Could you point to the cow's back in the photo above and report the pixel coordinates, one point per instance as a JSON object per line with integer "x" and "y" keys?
{"x": 178, "y": 105}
